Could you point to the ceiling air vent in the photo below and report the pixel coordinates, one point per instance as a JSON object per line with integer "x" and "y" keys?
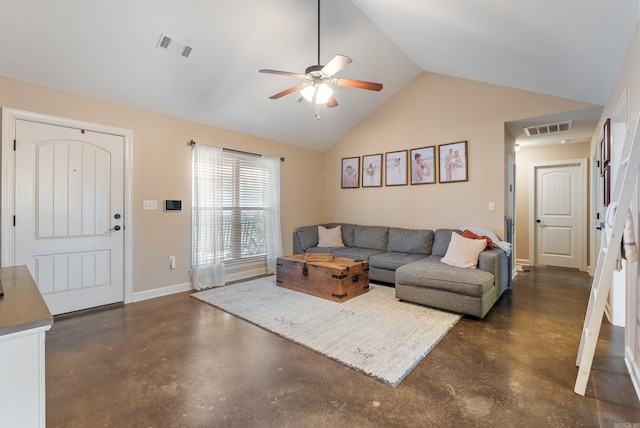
{"x": 551, "y": 128}
{"x": 171, "y": 45}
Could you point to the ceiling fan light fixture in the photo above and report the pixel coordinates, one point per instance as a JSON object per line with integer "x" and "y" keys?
{"x": 320, "y": 94}
{"x": 307, "y": 92}
{"x": 323, "y": 93}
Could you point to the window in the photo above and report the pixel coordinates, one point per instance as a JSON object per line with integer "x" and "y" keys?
{"x": 243, "y": 178}
{"x": 236, "y": 212}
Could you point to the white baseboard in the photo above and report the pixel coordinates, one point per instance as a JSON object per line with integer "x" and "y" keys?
{"x": 237, "y": 276}
{"x": 607, "y": 312}
{"x": 523, "y": 262}
{"x": 634, "y": 370}
{"x": 159, "y": 292}
{"x": 179, "y": 288}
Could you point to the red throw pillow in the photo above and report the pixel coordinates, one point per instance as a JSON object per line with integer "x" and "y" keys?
{"x": 469, "y": 234}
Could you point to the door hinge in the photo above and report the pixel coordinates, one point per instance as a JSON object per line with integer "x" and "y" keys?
{"x": 14, "y": 221}
{"x": 14, "y": 145}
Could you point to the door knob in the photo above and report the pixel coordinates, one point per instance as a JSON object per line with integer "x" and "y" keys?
{"x": 116, "y": 228}
{"x": 538, "y": 221}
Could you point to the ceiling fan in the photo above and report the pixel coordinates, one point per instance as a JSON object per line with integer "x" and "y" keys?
{"x": 319, "y": 79}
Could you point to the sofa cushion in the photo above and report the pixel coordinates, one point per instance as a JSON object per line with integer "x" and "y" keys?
{"x": 392, "y": 261}
{"x": 441, "y": 241}
{"x": 463, "y": 252}
{"x": 307, "y": 236}
{"x": 347, "y": 232}
{"x": 410, "y": 241}
{"x": 330, "y": 237}
{"x": 431, "y": 273}
{"x": 356, "y": 253}
{"x": 371, "y": 237}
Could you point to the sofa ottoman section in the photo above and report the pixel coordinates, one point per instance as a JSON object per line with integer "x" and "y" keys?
{"x": 432, "y": 283}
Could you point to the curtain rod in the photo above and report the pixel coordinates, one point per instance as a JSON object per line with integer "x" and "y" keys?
{"x": 193, "y": 143}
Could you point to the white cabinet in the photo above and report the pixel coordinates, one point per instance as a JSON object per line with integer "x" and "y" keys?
{"x": 24, "y": 319}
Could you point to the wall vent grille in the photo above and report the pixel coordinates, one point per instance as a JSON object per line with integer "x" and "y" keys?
{"x": 550, "y": 128}
{"x": 171, "y": 45}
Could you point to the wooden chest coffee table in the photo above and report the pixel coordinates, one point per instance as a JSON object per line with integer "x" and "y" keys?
{"x": 338, "y": 280}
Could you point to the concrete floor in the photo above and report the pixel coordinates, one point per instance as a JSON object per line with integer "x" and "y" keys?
{"x": 177, "y": 362}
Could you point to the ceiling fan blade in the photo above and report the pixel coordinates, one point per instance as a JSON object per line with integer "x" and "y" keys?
{"x": 336, "y": 64}
{"x": 359, "y": 84}
{"x": 288, "y": 91}
{"x": 283, "y": 73}
{"x": 332, "y": 102}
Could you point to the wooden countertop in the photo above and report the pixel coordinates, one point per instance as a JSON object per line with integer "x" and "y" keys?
{"x": 23, "y": 307}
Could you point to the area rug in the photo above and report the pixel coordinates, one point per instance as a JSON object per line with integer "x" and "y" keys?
{"x": 373, "y": 333}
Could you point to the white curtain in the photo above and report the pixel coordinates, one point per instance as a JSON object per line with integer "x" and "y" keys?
{"x": 271, "y": 205}
{"x": 207, "y": 222}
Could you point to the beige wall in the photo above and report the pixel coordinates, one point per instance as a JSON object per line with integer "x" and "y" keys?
{"x": 433, "y": 109}
{"x": 524, "y": 158}
{"x": 162, "y": 170}
{"x": 436, "y": 109}
{"x": 628, "y": 82}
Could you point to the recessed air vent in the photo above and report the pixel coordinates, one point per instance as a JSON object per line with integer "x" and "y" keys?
{"x": 171, "y": 45}
{"x": 551, "y": 128}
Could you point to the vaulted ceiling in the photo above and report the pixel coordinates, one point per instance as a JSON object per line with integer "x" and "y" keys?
{"x": 108, "y": 50}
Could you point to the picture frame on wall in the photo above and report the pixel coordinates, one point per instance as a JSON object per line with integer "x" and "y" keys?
{"x": 606, "y": 148}
{"x": 372, "y": 170}
{"x": 396, "y": 168}
{"x": 601, "y": 156}
{"x": 453, "y": 164}
{"x": 607, "y": 186}
{"x": 423, "y": 165}
{"x": 350, "y": 171}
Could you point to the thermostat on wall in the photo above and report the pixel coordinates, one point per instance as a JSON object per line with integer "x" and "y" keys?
{"x": 173, "y": 205}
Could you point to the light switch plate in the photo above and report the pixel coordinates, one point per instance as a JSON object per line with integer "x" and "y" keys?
{"x": 149, "y": 205}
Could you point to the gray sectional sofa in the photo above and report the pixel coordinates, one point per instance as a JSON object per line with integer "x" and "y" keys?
{"x": 410, "y": 259}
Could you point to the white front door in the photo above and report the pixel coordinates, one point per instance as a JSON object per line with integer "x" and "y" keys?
{"x": 559, "y": 215}
{"x": 69, "y": 214}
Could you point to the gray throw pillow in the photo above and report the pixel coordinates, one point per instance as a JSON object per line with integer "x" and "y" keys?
{"x": 307, "y": 236}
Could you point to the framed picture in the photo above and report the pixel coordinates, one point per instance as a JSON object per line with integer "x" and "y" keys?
{"x": 601, "y": 158}
{"x": 350, "y": 170}
{"x": 423, "y": 165}
{"x": 607, "y": 186}
{"x": 372, "y": 170}
{"x": 453, "y": 162}
{"x": 606, "y": 148}
{"x": 396, "y": 168}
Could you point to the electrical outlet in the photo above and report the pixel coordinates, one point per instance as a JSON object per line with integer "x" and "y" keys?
{"x": 492, "y": 206}
{"x": 172, "y": 262}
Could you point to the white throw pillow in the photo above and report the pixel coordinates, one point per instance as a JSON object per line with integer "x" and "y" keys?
{"x": 330, "y": 237}
{"x": 463, "y": 252}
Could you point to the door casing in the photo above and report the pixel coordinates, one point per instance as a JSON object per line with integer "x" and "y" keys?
{"x": 8, "y": 174}
{"x": 532, "y": 205}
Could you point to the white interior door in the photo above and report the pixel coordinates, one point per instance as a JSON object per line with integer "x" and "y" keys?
{"x": 69, "y": 186}
{"x": 559, "y": 215}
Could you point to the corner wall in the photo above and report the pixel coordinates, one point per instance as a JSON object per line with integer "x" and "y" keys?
{"x": 628, "y": 82}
